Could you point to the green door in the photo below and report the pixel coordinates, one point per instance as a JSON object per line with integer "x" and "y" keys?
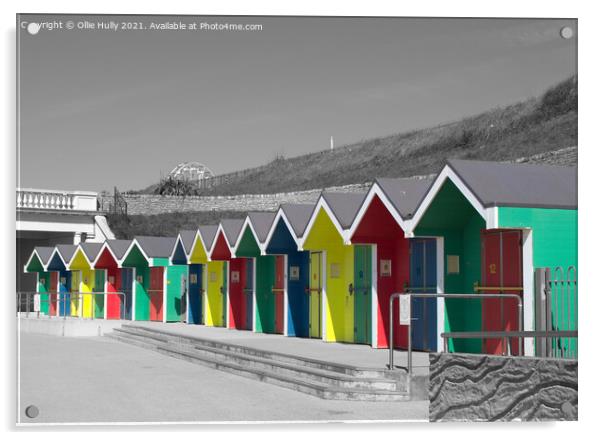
{"x": 225, "y": 294}
{"x": 315, "y": 295}
{"x": 99, "y": 300}
{"x": 362, "y": 292}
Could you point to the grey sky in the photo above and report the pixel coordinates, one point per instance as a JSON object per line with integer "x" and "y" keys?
{"x": 104, "y": 108}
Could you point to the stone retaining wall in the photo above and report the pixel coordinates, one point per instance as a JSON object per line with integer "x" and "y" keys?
{"x": 465, "y": 387}
{"x": 149, "y": 204}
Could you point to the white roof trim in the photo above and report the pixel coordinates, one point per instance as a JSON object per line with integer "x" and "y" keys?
{"x": 35, "y": 252}
{"x": 446, "y": 173}
{"x": 281, "y": 215}
{"x": 104, "y": 246}
{"x": 215, "y": 238}
{"x": 57, "y": 251}
{"x": 205, "y": 249}
{"x": 322, "y": 203}
{"x": 175, "y": 246}
{"x": 131, "y": 246}
{"x": 248, "y": 223}
{"x": 376, "y": 191}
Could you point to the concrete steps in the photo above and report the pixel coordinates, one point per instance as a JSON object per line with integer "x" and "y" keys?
{"x": 315, "y": 377}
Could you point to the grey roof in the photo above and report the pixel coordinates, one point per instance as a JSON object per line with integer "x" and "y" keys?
{"x": 404, "y": 194}
{"x": 232, "y": 227}
{"x": 119, "y": 247}
{"x": 156, "y": 247}
{"x": 344, "y": 206}
{"x": 44, "y": 253}
{"x": 208, "y": 234}
{"x": 513, "y": 184}
{"x": 262, "y": 222}
{"x": 298, "y": 216}
{"x": 66, "y": 251}
{"x": 91, "y": 250}
{"x": 187, "y": 238}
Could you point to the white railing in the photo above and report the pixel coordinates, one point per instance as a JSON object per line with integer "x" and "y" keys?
{"x": 56, "y": 200}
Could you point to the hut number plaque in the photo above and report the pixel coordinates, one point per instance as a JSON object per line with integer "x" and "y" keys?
{"x": 63, "y": 280}
{"x": 213, "y": 277}
{"x": 42, "y": 281}
{"x": 139, "y": 279}
{"x": 453, "y": 264}
{"x": 235, "y": 276}
{"x": 404, "y": 310}
{"x": 335, "y": 270}
{"x": 385, "y": 268}
{"x": 193, "y": 278}
{"x": 111, "y": 279}
{"x": 294, "y": 273}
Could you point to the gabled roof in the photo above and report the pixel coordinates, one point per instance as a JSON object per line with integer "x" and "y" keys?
{"x": 156, "y": 247}
{"x": 66, "y": 252}
{"x": 341, "y": 208}
{"x": 91, "y": 250}
{"x": 207, "y": 234}
{"x": 43, "y": 254}
{"x": 344, "y": 206}
{"x": 298, "y": 216}
{"x": 231, "y": 228}
{"x": 118, "y": 247}
{"x": 261, "y": 223}
{"x": 517, "y": 184}
{"x": 187, "y": 238}
{"x": 404, "y": 193}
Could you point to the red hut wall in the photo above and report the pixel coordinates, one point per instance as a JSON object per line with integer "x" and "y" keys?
{"x": 380, "y": 228}
{"x": 52, "y": 304}
{"x": 114, "y": 302}
{"x": 236, "y": 310}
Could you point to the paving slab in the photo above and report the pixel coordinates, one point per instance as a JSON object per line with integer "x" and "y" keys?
{"x": 98, "y": 380}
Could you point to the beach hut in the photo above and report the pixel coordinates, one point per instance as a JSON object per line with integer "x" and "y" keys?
{"x": 283, "y": 239}
{"x": 118, "y": 279}
{"x": 262, "y": 302}
{"x": 498, "y": 222}
{"x": 331, "y": 266}
{"x": 190, "y": 287}
{"x": 90, "y": 281}
{"x": 68, "y": 305}
{"x": 387, "y": 262}
{"x": 46, "y": 281}
{"x": 199, "y": 266}
{"x": 156, "y": 288}
{"x": 224, "y": 295}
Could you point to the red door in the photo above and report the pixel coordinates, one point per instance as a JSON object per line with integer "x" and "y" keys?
{"x": 54, "y": 279}
{"x": 279, "y": 295}
{"x": 156, "y": 293}
{"x": 501, "y": 268}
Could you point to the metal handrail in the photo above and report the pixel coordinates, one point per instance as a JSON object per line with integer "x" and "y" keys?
{"x": 506, "y": 335}
{"x": 63, "y": 299}
{"x": 443, "y": 295}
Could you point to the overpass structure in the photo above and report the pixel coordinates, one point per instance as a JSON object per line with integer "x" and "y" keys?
{"x": 50, "y": 217}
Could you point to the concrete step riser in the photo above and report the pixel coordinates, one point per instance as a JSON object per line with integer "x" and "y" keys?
{"x": 207, "y": 349}
{"x": 324, "y": 394}
{"x": 367, "y": 374}
{"x": 364, "y": 384}
{"x": 365, "y": 395}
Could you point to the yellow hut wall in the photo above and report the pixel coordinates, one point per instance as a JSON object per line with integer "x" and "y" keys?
{"x": 339, "y": 275}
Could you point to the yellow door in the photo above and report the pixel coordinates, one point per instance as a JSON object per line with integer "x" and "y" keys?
{"x": 315, "y": 295}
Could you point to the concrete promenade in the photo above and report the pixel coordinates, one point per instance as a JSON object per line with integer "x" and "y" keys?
{"x": 97, "y": 380}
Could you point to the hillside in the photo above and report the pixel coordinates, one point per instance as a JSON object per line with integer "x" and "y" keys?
{"x": 535, "y": 126}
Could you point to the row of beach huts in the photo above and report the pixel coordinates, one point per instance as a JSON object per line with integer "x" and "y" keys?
{"x": 327, "y": 270}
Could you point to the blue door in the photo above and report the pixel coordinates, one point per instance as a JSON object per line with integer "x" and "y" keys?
{"x": 249, "y": 275}
{"x": 195, "y": 294}
{"x": 423, "y": 279}
{"x": 127, "y": 279}
{"x": 64, "y": 297}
